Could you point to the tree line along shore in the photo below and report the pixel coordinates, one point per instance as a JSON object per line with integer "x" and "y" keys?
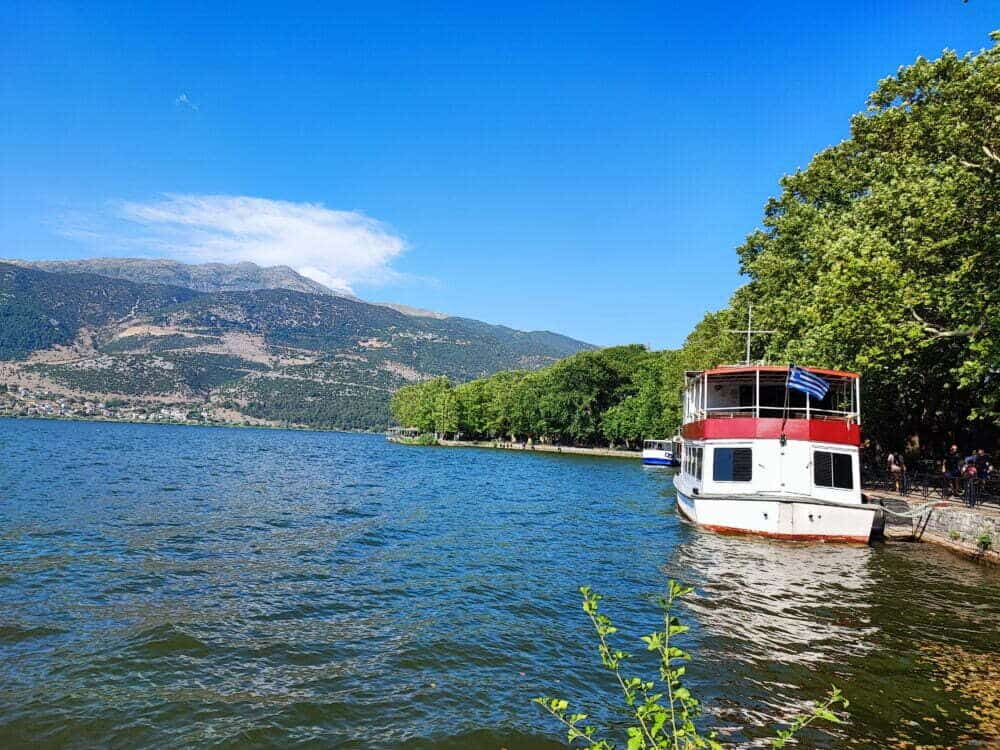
{"x": 881, "y": 257}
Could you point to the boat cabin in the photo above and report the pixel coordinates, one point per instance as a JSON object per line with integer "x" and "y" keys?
{"x": 745, "y": 432}
{"x": 760, "y": 392}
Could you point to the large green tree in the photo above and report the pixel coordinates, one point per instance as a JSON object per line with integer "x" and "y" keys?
{"x": 611, "y": 395}
{"x": 417, "y": 405}
{"x": 883, "y": 256}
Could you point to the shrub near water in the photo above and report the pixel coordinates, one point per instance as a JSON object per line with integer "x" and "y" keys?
{"x": 661, "y": 717}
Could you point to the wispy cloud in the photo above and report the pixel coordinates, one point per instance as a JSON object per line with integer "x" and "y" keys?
{"x": 336, "y": 248}
{"x": 185, "y": 101}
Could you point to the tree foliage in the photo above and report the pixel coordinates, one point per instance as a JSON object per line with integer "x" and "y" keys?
{"x": 883, "y": 256}
{"x": 618, "y": 395}
{"x": 417, "y": 405}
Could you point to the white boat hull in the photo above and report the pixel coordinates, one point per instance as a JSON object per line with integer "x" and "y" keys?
{"x": 782, "y": 518}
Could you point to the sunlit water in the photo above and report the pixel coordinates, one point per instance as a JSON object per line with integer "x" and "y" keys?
{"x": 187, "y": 587}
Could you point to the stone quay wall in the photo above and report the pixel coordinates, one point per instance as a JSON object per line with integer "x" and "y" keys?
{"x": 970, "y": 532}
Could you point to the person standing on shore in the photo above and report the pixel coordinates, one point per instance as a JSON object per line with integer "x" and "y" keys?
{"x": 951, "y": 467}
{"x": 896, "y": 468}
{"x": 983, "y": 465}
{"x": 969, "y": 480}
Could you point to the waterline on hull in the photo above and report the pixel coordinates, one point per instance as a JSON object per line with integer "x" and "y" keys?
{"x": 764, "y": 517}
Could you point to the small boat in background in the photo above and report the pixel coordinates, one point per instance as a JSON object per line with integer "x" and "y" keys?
{"x": 660, "y": 453}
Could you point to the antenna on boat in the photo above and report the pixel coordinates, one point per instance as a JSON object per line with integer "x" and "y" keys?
{"x": 750, "y": 330}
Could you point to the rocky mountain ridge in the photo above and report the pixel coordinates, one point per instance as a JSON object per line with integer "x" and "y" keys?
{"x": 272, "y": 354}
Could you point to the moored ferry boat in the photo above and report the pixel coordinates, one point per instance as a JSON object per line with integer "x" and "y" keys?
{"x": 660, "y": 453}
{"x": 774, "y": 451}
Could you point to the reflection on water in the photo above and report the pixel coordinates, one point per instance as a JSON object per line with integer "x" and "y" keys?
{"x": 795, "y": 602}
{"x": 974, "y": 675}
{"x": 780, "y": 622}
{"x": 187, "y": 587}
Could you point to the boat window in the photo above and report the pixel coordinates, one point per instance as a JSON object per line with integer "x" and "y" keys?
{"x": 833, "y": 470}
{"x": 691, "y": 460}
{"x": 732, "y": 464}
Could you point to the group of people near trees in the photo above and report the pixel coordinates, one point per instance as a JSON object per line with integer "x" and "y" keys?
{"x": 958, "y": 472}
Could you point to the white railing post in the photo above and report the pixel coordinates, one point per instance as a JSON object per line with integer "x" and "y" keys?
{"x": 756, "y": 394}
{"x": 857, "y": 401}
{"x": 704, "y": 396}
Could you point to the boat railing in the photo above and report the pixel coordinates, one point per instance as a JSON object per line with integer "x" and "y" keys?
{"x": 394, "y": 433}
{"x": 735, "y": 412}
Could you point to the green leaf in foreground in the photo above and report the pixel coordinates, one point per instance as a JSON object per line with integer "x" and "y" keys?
{"x": 660, "y": 717}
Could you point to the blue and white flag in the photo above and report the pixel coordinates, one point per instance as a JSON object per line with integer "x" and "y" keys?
{"x": 807, "y": 382}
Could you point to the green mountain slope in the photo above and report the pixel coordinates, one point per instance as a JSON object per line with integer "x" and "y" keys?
{"x": 39, "y": 310}
{"x": 273, "y": 354}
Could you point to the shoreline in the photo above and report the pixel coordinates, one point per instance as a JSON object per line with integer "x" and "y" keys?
{"x": 948, "y": 524}
{"x": 540, "y": 448}
{"x": 180, "y": 423}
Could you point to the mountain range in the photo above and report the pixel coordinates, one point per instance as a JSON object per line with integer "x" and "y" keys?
{"x": 235, "y": 342}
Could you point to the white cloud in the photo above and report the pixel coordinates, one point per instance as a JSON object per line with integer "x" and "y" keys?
{"x": 184, "y": 101}
{"x": 336, "y": 248}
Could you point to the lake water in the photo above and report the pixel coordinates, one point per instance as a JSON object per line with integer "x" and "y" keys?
{"x": 194, "y": 587}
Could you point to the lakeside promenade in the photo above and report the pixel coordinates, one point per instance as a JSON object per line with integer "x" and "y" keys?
{"x": 541, "y": 448}
{"x": 971, "y": 532}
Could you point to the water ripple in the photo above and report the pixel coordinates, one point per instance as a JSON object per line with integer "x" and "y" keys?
{"x": 241, "y": 588}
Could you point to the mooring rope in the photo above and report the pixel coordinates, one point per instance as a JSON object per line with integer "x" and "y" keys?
{"x": 916, "y": 513}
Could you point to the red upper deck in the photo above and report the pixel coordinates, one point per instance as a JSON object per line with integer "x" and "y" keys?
{"x": 753, "y": 401}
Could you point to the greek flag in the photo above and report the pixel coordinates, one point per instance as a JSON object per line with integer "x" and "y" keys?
{"x": 805, "y": 381}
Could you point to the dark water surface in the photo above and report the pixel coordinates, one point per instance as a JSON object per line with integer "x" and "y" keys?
{"x": 186, "y": 587}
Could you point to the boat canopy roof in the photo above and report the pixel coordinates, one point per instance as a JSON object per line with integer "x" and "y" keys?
{"x": 742, "y": 369}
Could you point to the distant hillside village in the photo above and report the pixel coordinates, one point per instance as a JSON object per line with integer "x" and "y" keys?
{"x": 25, "y": 402}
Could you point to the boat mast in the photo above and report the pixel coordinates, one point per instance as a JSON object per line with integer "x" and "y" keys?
{"x": 750, "y": 331}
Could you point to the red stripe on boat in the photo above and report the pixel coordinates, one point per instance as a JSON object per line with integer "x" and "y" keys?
{"x": 742, "y": 428}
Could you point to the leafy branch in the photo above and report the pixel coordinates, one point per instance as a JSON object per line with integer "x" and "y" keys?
{"x": 663, "y": 720}
{"x": 823, "y": 711}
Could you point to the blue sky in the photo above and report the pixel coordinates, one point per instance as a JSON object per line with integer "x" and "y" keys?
{"x": 584, "y": 168}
